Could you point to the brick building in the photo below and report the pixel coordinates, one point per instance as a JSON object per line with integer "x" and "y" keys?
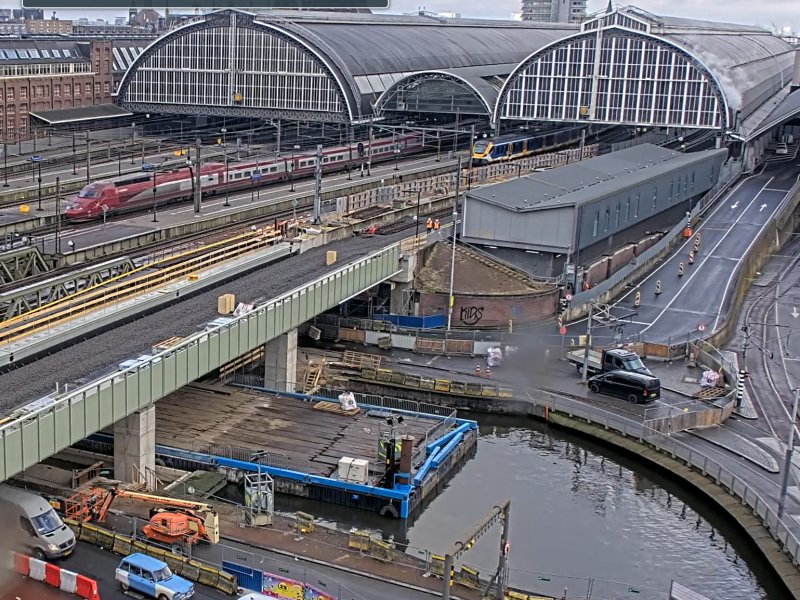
{"x": 54, "y": 26}
{"x": 49, "y": 74}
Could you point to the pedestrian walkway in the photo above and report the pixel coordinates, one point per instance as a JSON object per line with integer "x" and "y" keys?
{"x": 733, "y": 442}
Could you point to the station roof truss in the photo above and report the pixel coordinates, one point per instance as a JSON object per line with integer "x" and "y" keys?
{"x": 629, "y": 67}
{"x": 325, "y": 66}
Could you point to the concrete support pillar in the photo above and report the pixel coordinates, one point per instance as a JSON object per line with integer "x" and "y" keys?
{"x": 135, "y": 446}
{"x": 399, "y": 302}
{"x": 280, "y": 362}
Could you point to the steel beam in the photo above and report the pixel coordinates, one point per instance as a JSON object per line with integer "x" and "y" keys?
{"x": 22, "y": 263}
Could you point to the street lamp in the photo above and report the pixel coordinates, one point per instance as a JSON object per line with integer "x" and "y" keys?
{"x": 295, "y": 148}
{"x": 133, "y": 140}
{"x": 37, "y": 160}
{"x": 418, "y": 192}
{"x": 5, "y": 163}
{"x": 225, "y": 150}
{"x": 150, "y": 167}
{"x": 396, "y": 158}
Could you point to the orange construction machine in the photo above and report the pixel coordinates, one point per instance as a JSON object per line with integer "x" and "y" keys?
{"x": 177, "y": 523}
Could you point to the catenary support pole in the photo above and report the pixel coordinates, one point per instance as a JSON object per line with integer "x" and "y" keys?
{"x": 318, "y": 187}
{"x": 451, "y": 300}
{"x": 198, "y": 194}
{"x": 587, "y": 345}
{"x": 787, "y": 466}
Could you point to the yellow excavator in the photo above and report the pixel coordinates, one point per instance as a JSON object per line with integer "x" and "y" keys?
{"x": 174, "y": 522}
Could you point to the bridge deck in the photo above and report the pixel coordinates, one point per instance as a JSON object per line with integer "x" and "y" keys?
{"x": 227, "y": 418}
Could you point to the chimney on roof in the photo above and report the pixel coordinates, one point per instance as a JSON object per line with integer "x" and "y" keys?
{"x": 796, "y": 76}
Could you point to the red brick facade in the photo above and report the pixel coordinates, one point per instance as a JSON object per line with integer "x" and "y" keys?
{"x": 485, "y": 311}
{"x": 21, "y": 95}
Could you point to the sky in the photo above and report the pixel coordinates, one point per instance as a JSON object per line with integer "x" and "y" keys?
{"x": 768, "y": 13}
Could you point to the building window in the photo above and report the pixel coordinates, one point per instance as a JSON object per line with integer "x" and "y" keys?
{"x": 67, "y": 89}
{"x": 96, "y": 88}
{"x": 23, "y": 92}
{"x": 10, "y": 93}
{"x": 596, "y": 223}
{"x": 106, "y": 87}
{"x": 107, "y": 71}
{"x": 88, "y": 89}
{"x": 57, "y": 90}
{"x": 77, "y": 91}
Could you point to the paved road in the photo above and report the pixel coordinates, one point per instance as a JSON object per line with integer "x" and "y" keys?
{"x": 100, "y": 564}
{"x": 15, "y": 587}
{"x": 700, "y": 297}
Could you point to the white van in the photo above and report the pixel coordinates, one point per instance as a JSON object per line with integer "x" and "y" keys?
{"x": 41, "y": 530}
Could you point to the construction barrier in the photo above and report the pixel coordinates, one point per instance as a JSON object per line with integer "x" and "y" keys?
{"x": 359, "y": 540}
{"x": 381, "y": 550}
{"x": 445, "y": 386}
{"x": 54, "y": 576}
{"x": 124, "y": 545}
{"x": 469, "y": 578}
{"x": 437, "y": 565}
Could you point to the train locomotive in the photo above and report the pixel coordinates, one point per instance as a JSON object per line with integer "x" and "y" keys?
{"x": 141, "y": 192}
{"x": 513, "y": 146}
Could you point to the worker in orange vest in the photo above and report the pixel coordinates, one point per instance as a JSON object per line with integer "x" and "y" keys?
{"x": 429, "y": 224}
{"x": 436, "y": 227}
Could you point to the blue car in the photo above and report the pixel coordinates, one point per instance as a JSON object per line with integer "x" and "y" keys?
{"x": 152, "y": 578}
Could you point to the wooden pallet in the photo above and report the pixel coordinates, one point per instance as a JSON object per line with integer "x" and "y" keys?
{"x": 361, "y": 360}
{"x": 710, "y": 393}
{"x": 335, "y": 408}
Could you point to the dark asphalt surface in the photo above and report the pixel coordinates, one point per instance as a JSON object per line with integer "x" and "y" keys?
{"x": 727, "y": 232}
{"x": 17, "y": 587}
{"x": 103, "y": 352}
{"x": 100, "y": 565}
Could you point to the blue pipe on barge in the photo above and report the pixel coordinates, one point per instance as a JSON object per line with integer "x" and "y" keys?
{"x": 463, "y": 428}
{"x": 425, "y": 467}
{"x": 441, "y": 456}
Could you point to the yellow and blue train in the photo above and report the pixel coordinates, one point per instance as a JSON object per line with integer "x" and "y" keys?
{"x": 512, "y": 146}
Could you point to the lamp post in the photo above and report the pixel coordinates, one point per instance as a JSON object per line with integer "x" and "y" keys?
{"x": 396, "y": 158}
{"x": 133, "y": 140}
{"x": 225, "y": 151}
{"x": 787, "y": 467}
{"x": 74, "y": 158}
{"x": 37, "y": 160}
{"x": 295, "y": 148}
{"x": 152, "y": 168}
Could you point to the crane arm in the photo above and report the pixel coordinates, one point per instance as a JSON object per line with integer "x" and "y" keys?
{"x": 200, "y": 506}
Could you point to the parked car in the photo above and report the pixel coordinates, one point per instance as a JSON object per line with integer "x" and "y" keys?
{"x": 42, "y": 532}
{"x": 152, "y": 578}
{"x": 633, "y": 387}
{"x": 611, "y": 359}
{"x": 782, "y": 149}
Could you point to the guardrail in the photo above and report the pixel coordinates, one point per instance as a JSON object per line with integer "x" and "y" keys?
{"x": 692, "y": 457}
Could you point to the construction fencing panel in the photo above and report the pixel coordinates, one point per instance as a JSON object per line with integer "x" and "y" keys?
{"x": 410, "y": 322}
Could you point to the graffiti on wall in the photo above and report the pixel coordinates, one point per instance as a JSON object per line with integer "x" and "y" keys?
{"x": 276, "y": 586}
{"x": 471, "y": 315}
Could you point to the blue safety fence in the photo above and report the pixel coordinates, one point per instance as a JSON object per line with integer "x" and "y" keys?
{"x": 409, "y": 322}
{"x": 246, "y": 577}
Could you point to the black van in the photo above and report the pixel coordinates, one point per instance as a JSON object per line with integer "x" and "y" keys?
{"x": 633, "y": 387}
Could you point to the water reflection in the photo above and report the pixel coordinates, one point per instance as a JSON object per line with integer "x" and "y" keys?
{"x": 582, "y": 519}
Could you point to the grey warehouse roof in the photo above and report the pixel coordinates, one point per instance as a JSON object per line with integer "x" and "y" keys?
{"x": 585, "y": 181}
{"x": 28, "y": 51}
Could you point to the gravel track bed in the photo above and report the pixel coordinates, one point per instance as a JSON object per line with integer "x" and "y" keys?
{"x": 76, "y": 362}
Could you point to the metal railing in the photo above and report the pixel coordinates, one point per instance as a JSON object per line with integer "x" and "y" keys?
{"x": 693, "y": 458}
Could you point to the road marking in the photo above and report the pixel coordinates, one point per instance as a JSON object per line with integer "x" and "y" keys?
{"x": 707, "y": 256}
{"x": 735, "y": 205}
{"x": 431, "y": 361}
{"x": 762, "y": 207}
{"x": 777, "y": 190}
{"x": 744, "y": 254}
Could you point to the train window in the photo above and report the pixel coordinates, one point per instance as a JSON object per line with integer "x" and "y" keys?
{"x": 616, "y": 217}
{"x": 608, "y": 217}
{"x": 628, "y": 209}
{"x": 671, "y": 192}
{"x": 636, "y": 206}
{"x": 596, "y": 223}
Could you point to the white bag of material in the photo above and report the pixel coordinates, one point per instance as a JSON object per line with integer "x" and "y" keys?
{"x": 347, "y": 401}
{"x": 494, "y": 356}
{"x": 709, "y": 378}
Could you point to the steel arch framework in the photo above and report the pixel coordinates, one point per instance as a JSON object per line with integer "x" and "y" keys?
{"x": 231, "y": 64}
{"x": 435, "y": 92}
{"x": 634, "y": 79}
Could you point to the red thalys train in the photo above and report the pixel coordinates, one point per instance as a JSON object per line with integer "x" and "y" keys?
{"x": 135, "y": 192}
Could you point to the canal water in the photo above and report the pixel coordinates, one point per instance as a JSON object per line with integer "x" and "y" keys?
{"x": 583, "y": 519}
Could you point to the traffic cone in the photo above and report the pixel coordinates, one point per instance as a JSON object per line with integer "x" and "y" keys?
{"x": 488, "y": 373}
{"x": 477, "y": 370}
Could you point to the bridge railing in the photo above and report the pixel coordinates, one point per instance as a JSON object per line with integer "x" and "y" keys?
{"x": 762, "y": 508}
